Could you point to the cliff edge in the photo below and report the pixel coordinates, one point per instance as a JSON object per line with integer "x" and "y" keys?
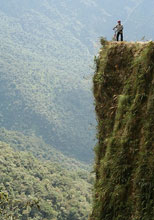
{"x": 124, "y": 156}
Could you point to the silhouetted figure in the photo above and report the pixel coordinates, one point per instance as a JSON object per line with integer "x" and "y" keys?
{"x": 119, "y": 30}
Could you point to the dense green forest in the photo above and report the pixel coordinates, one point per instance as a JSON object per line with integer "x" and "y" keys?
{"x": 41, "y": 190}
{"x": 46, "y": 111}
{"x": 42, "y": 72}
{"x": 39, "y": 149}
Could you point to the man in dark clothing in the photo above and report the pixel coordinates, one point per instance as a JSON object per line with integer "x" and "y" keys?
{"x": 119, "y": 30}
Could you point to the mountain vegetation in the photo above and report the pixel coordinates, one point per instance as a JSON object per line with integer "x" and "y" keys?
{"x": 47, "y": 49}
{"x": 42, "y": 69}
{"x": 124, "y": 165}
{"x": 47, "y": 123}
{"x": 39, "y": 149}
{"x": 33, "y": 189}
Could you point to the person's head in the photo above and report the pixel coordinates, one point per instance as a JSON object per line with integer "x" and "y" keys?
{"x": 119, "y": 22}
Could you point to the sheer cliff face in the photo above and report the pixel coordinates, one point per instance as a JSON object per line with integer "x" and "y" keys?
{"x": 124, "y": 155}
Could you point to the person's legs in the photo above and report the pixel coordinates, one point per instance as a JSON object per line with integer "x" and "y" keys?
{"x": 121, "y": 36}
{"x": 118, "y": 36}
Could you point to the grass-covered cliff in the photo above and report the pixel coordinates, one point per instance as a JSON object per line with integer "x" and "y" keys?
{"x": 124, "y": 161}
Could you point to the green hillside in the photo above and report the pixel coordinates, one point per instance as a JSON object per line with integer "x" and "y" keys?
{"x": 124, "y": 165}
{"x": 62, "y": 194}
{"x": 42, "y": 89}
{"x": 39, "y": 149}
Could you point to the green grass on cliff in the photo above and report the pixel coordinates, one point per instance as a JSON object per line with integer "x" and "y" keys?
{"x": 124, "y": 162}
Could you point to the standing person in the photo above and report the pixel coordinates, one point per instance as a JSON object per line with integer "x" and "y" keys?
{"x": 119, "y": 30}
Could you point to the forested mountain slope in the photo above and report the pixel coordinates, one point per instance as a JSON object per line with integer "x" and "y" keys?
{"x": 41, "y": 77}
{"x": 39, "y": 149}
{"x": 46, "y": 52}
{"x": 62, "y": 194}
{"x": 124, "y": 165}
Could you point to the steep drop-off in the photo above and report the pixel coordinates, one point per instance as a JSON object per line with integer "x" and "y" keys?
{"x": 124, "y": 161}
